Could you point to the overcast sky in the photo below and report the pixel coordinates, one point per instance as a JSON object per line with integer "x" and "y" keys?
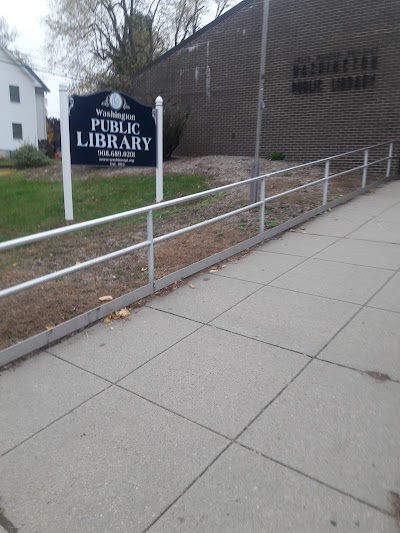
{"x": 24, "y": 16}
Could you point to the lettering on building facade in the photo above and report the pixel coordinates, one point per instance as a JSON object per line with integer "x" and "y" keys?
{"x": 335, "y": 72}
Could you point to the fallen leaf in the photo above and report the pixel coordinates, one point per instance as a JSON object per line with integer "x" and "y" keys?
{"x": 105, "y": 298}
{"x": 123, "y": 313}
{"x": 213, "y": 270}
{"x": 191, "y": 286}
{"x": 15, "y": 264}
{"x": 143, "y": 269}
{"x": 49, "y": 327}
{"x": 107, "y": 320}
{"x": 78, "y": 263}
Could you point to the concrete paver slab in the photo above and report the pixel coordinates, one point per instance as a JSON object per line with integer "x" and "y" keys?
{"x": 391, "y": 215}
{"x": 370, "y": 342}
{"x": 376, "y": 230}
{"x": 356, "y": 210}
{"x": 349, "y": 283}
{"x": 243, "y": 491}
{"x": 389, "y": 297}
{"x": 216, "y": 378}
{"x": 390, "y": 189}
{"x": 365, "y": 253}
{"x": 260, "y": 267}
{"x": 331, "y": 226}
{"x": 295, "y": 243}
{"x": 339, "y": 426}
{"x": 211, "y": 296}
{"x": 38, "y": 392}
{"x": 368, "y": 206}
{"x": 112, "y": 465}
{"x": 114, "y": 350}
{"x": 288, "y": 319}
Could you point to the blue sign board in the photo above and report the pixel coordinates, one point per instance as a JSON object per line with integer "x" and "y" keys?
{"x": 111, "y": 129}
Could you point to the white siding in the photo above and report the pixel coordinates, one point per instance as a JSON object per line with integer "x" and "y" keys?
{"x": 11, "y": 112}
{"x": 41, "y": 116}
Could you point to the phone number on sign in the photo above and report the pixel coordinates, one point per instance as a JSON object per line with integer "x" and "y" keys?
{"x": 114, "y": 153}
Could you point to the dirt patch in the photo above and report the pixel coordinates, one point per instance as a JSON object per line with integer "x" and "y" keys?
{"x": 45, "y": 306}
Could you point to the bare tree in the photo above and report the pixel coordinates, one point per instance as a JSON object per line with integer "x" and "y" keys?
{"x": 187, "y": 18}
{"x": 7, "y": 39}
{"x": 102, "y": 43}
{"x": 7, "y": 34}
{"x": 221, "y": 6}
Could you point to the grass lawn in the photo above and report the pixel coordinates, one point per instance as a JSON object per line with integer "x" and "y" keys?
{"x": 29, "y": 206}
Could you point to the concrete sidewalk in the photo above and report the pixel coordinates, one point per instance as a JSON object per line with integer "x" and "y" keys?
{"x": 261, "y": 398}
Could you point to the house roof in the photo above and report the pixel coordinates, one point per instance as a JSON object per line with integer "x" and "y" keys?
{"x": 32, "y": 73}
{"x": 26, "y": 69}
{"x": 195, "y": 35}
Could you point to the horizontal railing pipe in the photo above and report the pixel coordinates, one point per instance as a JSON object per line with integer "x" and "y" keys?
{"x": 70, "y": 270}
{"x": 206, "y": 222}
{"x": 320, "y": 161}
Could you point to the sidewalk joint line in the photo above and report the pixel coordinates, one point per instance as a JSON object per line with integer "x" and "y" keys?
{"x": 53, "y": 422}
{"x": 169, "y": 410}
{"x": 316, "y": 480}
{"x": 354, "y": 264}
{"x": 348, "y": 367}
{"x": 188, "y": 487}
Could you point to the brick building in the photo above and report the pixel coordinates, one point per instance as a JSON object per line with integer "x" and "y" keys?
{"x": 332, "y": 78}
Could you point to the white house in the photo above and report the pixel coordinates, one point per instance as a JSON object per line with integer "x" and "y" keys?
{"x": 22, "y": 110}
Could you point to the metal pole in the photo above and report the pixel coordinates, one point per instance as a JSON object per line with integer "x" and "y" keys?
{"x": 262, "y": 207}
{"x": 159, "y": 169}
{"x": 66, "y": 153}
{"x": 255, "y": 169}
{"x": 365, "y": 169}
{"x": 150, "y": 252}
{"x": 326, "y": 183}
{"x": 389, "y": 163}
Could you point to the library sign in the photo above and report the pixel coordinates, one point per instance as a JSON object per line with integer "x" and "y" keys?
{"x": 111, "y": 129}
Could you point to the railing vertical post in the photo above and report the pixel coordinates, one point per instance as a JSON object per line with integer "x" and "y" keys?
{"x": 326, "y": 182}
{"x": 150, "y": 252}
{"x": 262, "y": 206}
{"x": 365, "y": 169}
{"x": 159, "y": 153}
{"x": 389, "y": 163}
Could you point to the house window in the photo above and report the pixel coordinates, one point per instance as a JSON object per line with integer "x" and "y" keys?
{"x": 17, "y": 131}
{"x": 14, "y": 94}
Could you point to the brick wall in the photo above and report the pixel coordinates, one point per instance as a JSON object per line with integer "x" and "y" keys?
{"x": 332, "y": 83}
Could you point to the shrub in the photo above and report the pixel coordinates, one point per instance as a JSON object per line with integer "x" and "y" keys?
{"x": 47, "y": 148}
{"x": 29, "y": 156}
{"x": 276, "y": 156}
{"x": 174, "y": 123}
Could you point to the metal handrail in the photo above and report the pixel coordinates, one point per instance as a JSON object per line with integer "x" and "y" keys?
{"x": 169, "y": 203}
{"x": 148, "y": 210}
{"x": 325, "y": 159}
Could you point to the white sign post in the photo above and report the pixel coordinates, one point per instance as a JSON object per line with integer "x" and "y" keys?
{"x": 66, "y": 153}
{"x": 159, "y": 169}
